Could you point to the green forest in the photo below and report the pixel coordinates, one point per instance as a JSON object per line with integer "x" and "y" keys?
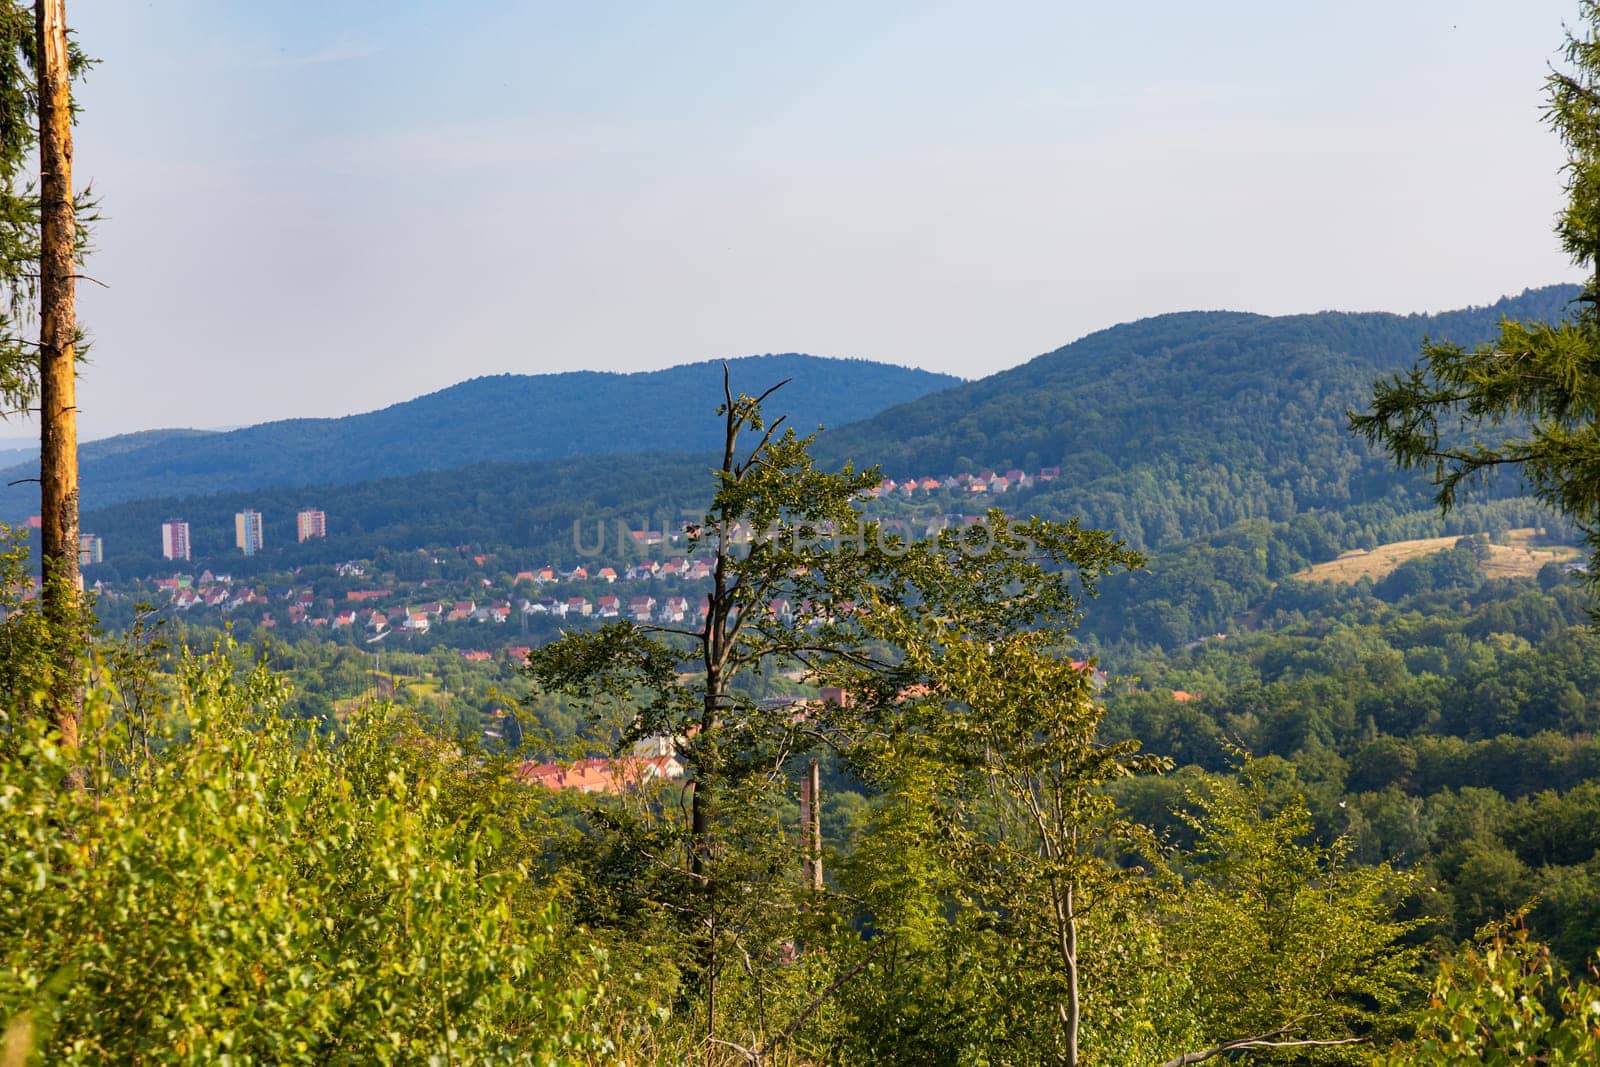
{"x": 1259, "y": 722}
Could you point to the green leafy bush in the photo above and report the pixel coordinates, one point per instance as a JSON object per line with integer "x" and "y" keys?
{"x": 1505, "y": 1000}
{"x": 253, "y": 892}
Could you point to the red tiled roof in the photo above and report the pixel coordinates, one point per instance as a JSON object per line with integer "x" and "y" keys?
{"x": 600, "y": 775}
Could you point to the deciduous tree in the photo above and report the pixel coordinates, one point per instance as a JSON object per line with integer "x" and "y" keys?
{"x": 799, "y": 575}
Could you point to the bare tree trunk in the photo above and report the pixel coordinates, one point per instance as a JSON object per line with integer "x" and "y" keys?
{"x": 711, "y": 991}
{"x": 1063, "y": 902}
{"x": 58, "y": 406}
{"x": 703, "y": 800}
{"x": 811, "y": 827}
{"x": 1074, "y": 1001}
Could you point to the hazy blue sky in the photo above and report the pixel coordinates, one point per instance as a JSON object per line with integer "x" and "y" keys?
{"x": 315, "y": 208}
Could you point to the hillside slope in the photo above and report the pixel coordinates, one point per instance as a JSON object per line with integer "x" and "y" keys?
{"x": 503, "y": 418}
{"x": 1181, "y": 425}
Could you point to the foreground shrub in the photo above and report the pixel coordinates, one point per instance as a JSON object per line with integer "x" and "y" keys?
{"x": 254, "y": 893}
{"x": 1504, "y": 999}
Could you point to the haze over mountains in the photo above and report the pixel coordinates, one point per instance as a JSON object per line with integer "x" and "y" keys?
{"x": 1166, "y": 429}
{"x": 505, "y": 417}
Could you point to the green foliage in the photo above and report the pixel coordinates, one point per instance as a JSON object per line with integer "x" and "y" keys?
{"x": 1456, "y": 569}
{"x": 1448, "y": 732}
{"x": 1503, "y": 1000}
{"x": 868, "y": 613}
{"x": 24, "y": 635}
{"x": 19, "y": 203}
{"x": 1003, "y": 862}
{"x": 1279, "y": 934}
{"x": 258, "y": 893}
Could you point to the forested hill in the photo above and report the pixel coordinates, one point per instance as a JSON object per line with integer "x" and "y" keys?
{"x": 508, "y": 417}
{"x": 1181, "y": 425}
{"x": 1166, "y": 430}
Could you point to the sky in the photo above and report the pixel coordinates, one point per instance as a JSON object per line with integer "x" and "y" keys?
{"x": 314, "y": 207}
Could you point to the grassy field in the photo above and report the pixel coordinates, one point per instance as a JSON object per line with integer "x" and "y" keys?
{"x": 1516, "y": 558}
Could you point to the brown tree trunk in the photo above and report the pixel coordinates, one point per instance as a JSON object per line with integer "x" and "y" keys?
{"x": 58, "y": 410}
{"x": 703, "y": 800}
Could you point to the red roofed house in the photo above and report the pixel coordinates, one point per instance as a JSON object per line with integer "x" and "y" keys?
{"x": 602, "y": 775}
{"x": 1098, "y": 678}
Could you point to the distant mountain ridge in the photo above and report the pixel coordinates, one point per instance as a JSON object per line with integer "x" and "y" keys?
{"x": 506, "y": 417}
{"x": 1164, "y": 430}
{"x": 14, "y": 458}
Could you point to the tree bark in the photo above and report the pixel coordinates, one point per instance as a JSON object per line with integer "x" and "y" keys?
{"x": 811, "y": 827}
{"x": 58, "y": 410}
{"x": 1074, "y": 1004}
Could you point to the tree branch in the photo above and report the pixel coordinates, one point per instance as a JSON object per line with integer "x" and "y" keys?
{"x": 816, "y": 1002}
{"x": 1267, "y": 1040}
